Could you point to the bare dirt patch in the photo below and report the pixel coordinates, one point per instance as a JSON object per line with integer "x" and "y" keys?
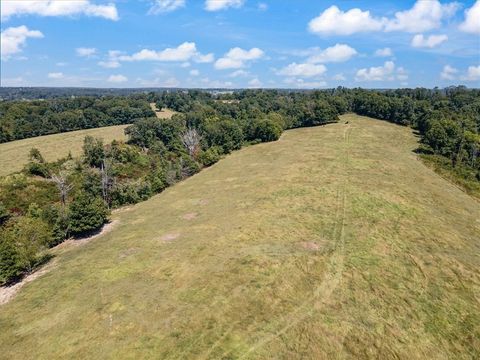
{"x": 190, "y": 216}
{"x": 169, "y": 236}
{"x": 84, "y": 240}
{"x": 310, "y": 245}
{"x": 203, "y": 202}
{"x": 8, "y": 292}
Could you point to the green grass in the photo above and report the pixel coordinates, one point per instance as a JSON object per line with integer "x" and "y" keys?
{"x": 14, "y": 154}
{"x": 334, "y": 242}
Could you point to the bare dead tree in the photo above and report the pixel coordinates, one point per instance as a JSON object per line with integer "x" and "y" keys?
{"x": 63, "y": 186}
{"x": 191, "y": 140}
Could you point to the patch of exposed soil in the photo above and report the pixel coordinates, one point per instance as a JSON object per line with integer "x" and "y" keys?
{"x": 169, "y": 236}
{"x": 310, "y": 245}
{"x": 190, "y": 216}
{"x": 8, "y": 292}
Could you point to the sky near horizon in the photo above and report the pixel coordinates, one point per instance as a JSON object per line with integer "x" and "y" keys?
{"x": 240, "y": 43}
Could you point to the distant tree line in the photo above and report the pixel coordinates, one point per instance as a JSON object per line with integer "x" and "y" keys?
{"x": 24, "y": 119}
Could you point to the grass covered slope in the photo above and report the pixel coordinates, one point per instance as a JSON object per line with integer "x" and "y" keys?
{"x": 14, "y": 154}
{"x": 334, "y": 242}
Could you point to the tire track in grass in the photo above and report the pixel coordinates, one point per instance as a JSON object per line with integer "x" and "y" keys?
{"x": 332, "y": 278}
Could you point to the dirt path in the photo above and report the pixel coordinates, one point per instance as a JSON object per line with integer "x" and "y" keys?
{"x": 8, "y": 292}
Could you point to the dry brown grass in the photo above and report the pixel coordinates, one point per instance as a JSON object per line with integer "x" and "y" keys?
{"x": 14, "y": 154}
{"x": 164, "y": 113}
{"x": 333, "y": 243}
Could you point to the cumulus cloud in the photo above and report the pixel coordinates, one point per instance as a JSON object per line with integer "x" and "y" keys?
{"x": 339, "y": 77}
{"x": 216, "y": 5}
{"x": 448, "y": 72}
{"x": 302, "y": 84}
{"x": 473, "y": 73}
{"x": 194, "y": 72}
{"x": 11, "y": 8}
{"x": 431, "y": 41}
{"x": 86, "y": 52}
{"x": 237, "y": 58}
{"x": 55, "y": 75}
{"x": 379, "y": 73}
{"x": 472, "y": 19}
{"x": 385, "y": 52}
{"x": 165, "y": 6}
{"x": 254, "y": 83}
{"x": 423, "y": 16}
{"x": 117, "y": 78}
{"x": 109, "y": 64}
{"x": 335, "y": 21}
{"x": 184, "y": 52}
{"x": 239, "y": 73}
{"x": 336, "y": 53}
{"x": 262, "y": 7}
{"x": 303, "y": 70}
{"x": 13, "y": 39}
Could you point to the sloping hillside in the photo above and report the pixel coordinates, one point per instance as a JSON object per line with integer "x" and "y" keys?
{"x": 14, "y": 154}
{"x": 334, "y": 242}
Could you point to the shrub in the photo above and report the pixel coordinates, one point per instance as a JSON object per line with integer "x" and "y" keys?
{"x": 267, "y": 130}
{"x": 210, "y": 156}
{"x": 86, "y": 213}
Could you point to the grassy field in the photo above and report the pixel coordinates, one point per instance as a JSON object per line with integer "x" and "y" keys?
{"x": 14, "y": 154}
{"x": 335, "y": 242}
{"x": 164, "y": 113}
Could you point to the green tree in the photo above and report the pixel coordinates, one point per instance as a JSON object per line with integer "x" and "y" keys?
{"x": 86, "y": 213}
{"x": 93, "y": 151}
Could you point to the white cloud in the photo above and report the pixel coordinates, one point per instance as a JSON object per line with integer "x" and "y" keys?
{"x": 262, "y": 6}
{"x": 302, "y": 84}
{"x": 335, "y": 21}
{"x": 182, "y": 53}
{"x": 165, "y": 6}
{"x": 254, "y": 83}
{"x": 336, "y": 53}
{"x": 117, "y": 78}
{"x": 14, "y": 38}
{"x": 216, "y": 5}
{"x": 379, "y": 73}
{"x": 110, "y": 64}
{"x": 303, "y": 70}
{"x": 339, "y": 77}
{"x": 55, "y": 75}
{"x": 11, "y": 8}
{"x": 472, "y": 19}
{"x": 431, "y": 41}
{"x": 423, "y": 16}
{"x": 236, "y": 58}
{"x": 448, "y": 72}
{"x": 239, "y": 73}
{"x": 87, "y": 52}
{"x": 473, "y": 73}
{"x": 194, "y": 72}
{"x": 385, "y": 52}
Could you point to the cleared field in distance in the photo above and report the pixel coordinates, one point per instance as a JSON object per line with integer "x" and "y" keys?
{"x": 14, "y": 154}
{"x": 164, "y": 113}
{"x": 333, "y": 242}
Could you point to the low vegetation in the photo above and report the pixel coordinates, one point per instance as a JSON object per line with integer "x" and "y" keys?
{"x": 333, "y": 242}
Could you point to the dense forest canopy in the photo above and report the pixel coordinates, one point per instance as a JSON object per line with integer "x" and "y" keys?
{"x": 49, "y": 202}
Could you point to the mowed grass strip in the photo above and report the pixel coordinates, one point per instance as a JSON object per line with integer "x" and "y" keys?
{"x": 334, "y": 242}
{"x": 14, "y": 154}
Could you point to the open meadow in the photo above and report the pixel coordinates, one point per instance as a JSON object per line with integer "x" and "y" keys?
{"x": 334, "y": 242}
{"x": 14, "y": 154}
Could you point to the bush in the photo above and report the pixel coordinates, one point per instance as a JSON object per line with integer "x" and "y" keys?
{"x": 210, "y": 156}
{"x": 21, "y": 243}
{"x": 267, "y": 130}
{"x": 86, "y": 213}
{"x": 93, "y": 151}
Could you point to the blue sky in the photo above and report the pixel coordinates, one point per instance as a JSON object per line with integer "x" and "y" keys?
{"x": 240, "y": 43}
